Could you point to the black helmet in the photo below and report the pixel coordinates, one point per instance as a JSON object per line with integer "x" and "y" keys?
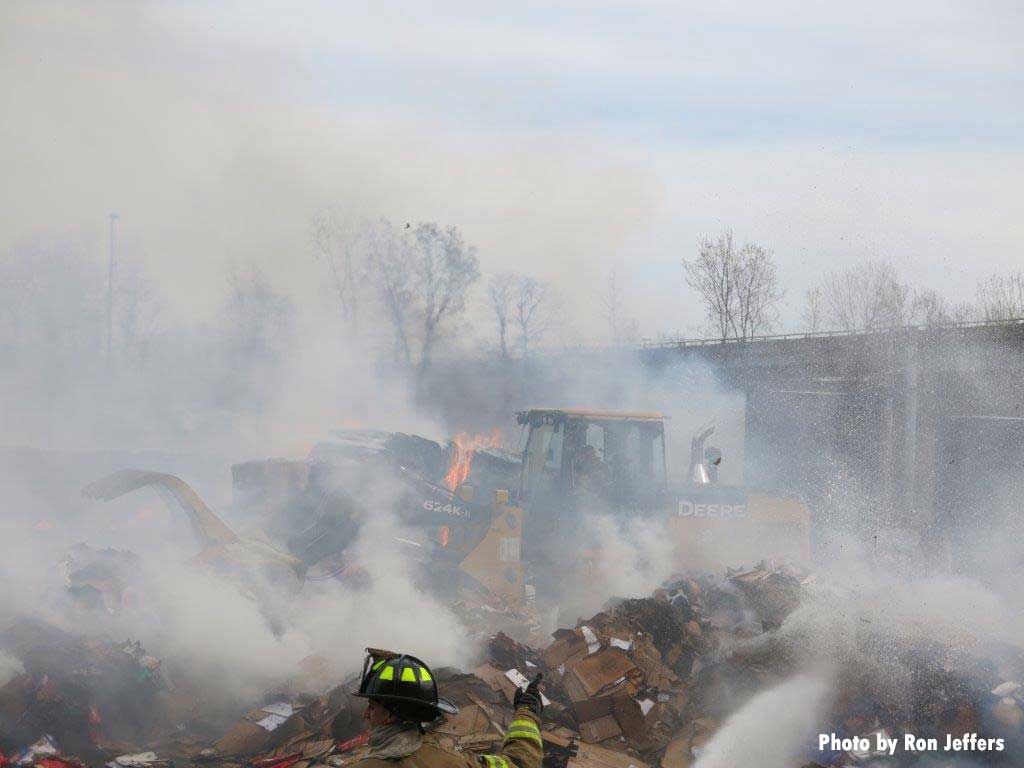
{"x": 404, "y": 685}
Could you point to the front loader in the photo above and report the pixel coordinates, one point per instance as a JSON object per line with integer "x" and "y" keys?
{"x": 581, "y": 462}
{"x": 511, "y": 520}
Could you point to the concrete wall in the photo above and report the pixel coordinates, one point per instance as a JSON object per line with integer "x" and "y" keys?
{"x": 867, "y": 427}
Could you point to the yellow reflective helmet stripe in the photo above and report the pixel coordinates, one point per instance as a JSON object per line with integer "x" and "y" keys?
{"x": 377, "y": 665}
{"x": 495, "y": 761}
{"x": 388, "y": 673}
{"x": 408, "y": 676}
{"x": 425, "y": 675}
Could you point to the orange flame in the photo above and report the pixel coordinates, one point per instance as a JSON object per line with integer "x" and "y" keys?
{"x": 464, "y": 448}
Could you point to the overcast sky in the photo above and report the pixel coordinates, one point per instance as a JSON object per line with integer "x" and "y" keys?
{"x": 562, "y": 138}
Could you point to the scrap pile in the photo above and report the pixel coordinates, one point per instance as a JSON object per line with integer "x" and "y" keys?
{"x": 79, "y": 700}
{"x": 644, "y": 683}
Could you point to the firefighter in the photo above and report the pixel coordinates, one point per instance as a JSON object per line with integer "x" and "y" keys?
{"x": 402, "y": 695}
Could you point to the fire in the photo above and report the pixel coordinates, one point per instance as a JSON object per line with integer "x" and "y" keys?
{"x": 95, "y": 721}
{"x": 464, "y": 448}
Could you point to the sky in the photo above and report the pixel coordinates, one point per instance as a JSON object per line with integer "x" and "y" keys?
{"x": 564, "y": 139}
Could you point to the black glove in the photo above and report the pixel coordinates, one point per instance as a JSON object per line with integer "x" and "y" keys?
{"x": 530, "y": 696}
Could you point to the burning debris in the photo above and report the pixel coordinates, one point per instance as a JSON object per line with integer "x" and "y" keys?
{"x": 662, "y": 681}
{"x": 463, "y": 449}
{"x": 646, "y": 682}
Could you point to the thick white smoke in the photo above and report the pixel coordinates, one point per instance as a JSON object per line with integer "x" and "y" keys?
{"x": 235, "y": 637}
{"x": 623, "y": 558}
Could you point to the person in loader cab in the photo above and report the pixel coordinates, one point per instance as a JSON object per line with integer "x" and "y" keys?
{"x": 591, "y": 473}
{"x": 402, "y": 695}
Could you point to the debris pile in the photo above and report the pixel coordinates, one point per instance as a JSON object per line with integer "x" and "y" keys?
{"x": 89, "y": 698}
{"x": 644, "y": 683}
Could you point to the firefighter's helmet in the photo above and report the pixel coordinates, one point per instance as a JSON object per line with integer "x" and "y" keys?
{"x": 404, "y": 685}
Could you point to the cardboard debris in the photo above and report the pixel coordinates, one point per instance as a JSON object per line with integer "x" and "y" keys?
{"x": 244, "y": 738}
{"x": 594, "y": 756}
{"x": 471, "y": 719}
{"x": 601, "y": 672}
{"x": 569, "y": 647}
{"x": 600, "y": 729}
{"x": 497, "y": 680}
{"x": 642, "y": 684}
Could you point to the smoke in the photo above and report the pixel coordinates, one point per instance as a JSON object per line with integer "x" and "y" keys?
{"x": 9, "y": 667}
{"x": 883, "y": 630}
{"x": 394, "y": 613}
{"x": 627, "y": 558}
{"x": 226, "y": 344}
{"x": 233, "y": 637}
{"x": 774, "y": 729}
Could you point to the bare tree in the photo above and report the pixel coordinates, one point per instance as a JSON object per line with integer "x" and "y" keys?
{"x": 499, "y": 291}
{"x": 929, "y": 307}
{"x": 739, "y": 286}
{"x": 255, "y": 335}
{"x": 392, "y": 261}
{"x": 622, "y": 329}
{"x": 757, "y": 290}
{"x": 258, "y": 316}
{"x": 444, "y": 268}
{"x": 963, "y": 312}
{"x": 339, "y": 242}
{"x": 533, "y": 305}
{"x": 814, "y": 309}
{"x": 612, "y": 302}
{"x": 866, "y": 296}
{"x": 1001, "y": 297}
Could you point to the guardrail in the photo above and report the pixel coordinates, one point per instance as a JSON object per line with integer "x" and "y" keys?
{"x": 681, "y": 343}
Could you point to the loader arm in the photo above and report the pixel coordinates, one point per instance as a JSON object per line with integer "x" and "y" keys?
{"x": 208, "y": 528}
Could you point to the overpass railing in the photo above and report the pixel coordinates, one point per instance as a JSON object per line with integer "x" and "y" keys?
{"x": 682, "y": 342}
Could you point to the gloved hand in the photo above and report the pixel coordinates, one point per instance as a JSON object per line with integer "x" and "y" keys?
{"x": 530, "y": 697}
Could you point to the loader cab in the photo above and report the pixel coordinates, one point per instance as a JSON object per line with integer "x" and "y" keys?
{"x": 613, "y": 456}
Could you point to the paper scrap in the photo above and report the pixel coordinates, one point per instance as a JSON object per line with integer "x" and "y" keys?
{"x": 141, "y": 758}
{"x": 520, "y": 681}
{"x": 623, "y": 644}
{"x": 645, "y": 705}
{"x": 593, "y": 646}
{"x": 282, "y": 708}
{"x": 270, "y": 722}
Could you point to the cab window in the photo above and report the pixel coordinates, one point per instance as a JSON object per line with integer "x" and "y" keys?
{"x": 542, "y": 462}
